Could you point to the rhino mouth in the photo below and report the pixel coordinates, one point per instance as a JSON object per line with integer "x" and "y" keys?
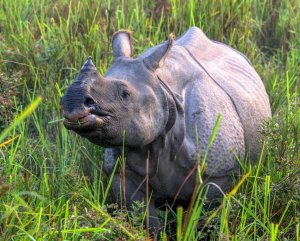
{"x": 90, "y": 121}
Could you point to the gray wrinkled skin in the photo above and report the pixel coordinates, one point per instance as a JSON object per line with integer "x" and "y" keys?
{"x": 159, "y": 99}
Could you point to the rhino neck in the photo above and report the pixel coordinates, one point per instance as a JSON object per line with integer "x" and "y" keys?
{"x": 178, "y": 69}
{"x": 167, "y": 145}
{"x": 174, "y": 130}
{"x": 163, "y": 149}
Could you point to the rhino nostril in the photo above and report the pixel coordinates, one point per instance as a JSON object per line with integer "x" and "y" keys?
{"x": 89, "y": 102}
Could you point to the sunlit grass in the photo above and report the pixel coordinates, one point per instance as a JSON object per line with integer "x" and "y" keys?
{"x": 45, "y": 193}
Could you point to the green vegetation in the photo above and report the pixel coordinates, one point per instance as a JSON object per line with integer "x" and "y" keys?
{"x": 45, "y": 193}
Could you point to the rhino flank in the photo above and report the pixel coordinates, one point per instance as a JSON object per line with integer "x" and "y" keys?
{"x": 159, "y": 100}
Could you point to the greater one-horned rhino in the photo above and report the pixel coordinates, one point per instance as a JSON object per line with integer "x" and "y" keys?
{"x": 163, "y": 100}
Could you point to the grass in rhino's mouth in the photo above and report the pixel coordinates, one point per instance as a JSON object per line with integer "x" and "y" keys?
{"x": 78, "y": 123}
{"x": 88, "y": 121}
{"x": 81, "y": 121}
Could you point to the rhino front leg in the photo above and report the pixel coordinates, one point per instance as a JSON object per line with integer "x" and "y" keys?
{"x": 133, "y": 194}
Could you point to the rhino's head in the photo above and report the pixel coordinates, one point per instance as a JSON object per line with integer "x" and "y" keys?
{"x": 128, "y": 99}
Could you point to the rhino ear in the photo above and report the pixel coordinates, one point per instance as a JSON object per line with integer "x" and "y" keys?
{"x": 157, "y": 58}
{"x": 122, "y": 44}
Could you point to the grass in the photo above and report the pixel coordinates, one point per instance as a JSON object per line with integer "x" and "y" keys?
{"x": 45, "y": 193}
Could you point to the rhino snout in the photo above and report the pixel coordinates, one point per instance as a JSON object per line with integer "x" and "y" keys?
{"x": 75, "y": 110}
{"x": 83, "y": 113}
{"x": 73, "y": 106}
{"x": 75, "y": 116}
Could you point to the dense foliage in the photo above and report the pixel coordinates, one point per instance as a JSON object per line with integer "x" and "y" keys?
{"x": 45, "y": 192}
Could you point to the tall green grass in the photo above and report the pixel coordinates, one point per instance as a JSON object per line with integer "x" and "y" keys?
{"x": 45, "y": 193}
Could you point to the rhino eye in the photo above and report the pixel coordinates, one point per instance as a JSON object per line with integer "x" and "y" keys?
{"x": 125, "y": 94}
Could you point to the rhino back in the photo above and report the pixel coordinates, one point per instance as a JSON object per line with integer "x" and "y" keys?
{"x": 233, "y": 73}
{"x": 194, "y": 53}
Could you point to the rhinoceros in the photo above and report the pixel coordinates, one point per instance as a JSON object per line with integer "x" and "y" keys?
{"x": 162, "y": 107}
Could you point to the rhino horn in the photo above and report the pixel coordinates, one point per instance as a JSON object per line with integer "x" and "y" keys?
{"x": 88, "y": 65}
{"x": 122, "y": 44}
{"x": 157, "y": 57}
